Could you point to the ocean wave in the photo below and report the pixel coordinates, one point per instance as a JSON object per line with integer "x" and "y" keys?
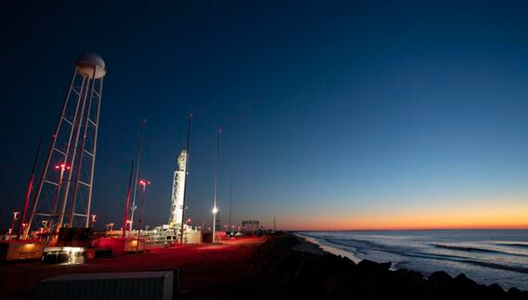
{"x": 517, "y": 269}
{"x": 515, "y": 245}
{"x": 479, "y": 250}
{"x": 343, "y": 251}
{"x": 362, "y": 246}
{"x": 342, "y": 243}
{"x": 467, "y": 249}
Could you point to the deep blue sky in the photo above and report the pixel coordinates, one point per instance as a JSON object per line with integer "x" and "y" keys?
{"x": 331, "y": 110}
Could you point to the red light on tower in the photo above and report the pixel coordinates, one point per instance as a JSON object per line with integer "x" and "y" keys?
{"x": 62, "y": 167}
{"x": 13, "y": 221}
{"x": 129, "y": 226}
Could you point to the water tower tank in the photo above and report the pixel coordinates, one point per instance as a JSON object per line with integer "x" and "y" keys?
{"x": 88, "y": 62}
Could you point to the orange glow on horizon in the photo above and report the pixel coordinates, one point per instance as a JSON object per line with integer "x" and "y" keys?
{"x": 464, "y": 215}
{"x": 392, "y": 225}
{"x": 389, "y": 227}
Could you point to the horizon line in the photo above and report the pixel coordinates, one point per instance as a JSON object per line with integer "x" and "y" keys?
{"x": 420, "y": 229}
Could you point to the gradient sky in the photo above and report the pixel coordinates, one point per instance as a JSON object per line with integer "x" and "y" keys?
{"x": 336, "y": 114}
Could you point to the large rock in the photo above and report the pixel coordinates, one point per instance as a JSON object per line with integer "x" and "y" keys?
{"x": 515, "y": 293}
{"x": 374, "y": 288}
{"x": 441, "y": 277}
{"x": 407, "y": 275}
{"x": 369, "y": 269}
{"x": 465, "y": 288}
{"x": 407, "y": 284}
{"x": 524, "y": 295}
{"x": 410, "y": 289}
{"x": 439, "y": 286}
{"x": 330, "y": 285}
{"x": 494, "y": 291}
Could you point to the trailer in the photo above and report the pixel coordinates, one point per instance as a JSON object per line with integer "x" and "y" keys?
{"x": 127, "y": 285}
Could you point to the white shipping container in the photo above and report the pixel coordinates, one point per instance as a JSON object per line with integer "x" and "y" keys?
{"x": 131, "y": 285}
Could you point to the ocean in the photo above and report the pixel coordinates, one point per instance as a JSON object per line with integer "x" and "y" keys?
{"x": 486, "y": 256}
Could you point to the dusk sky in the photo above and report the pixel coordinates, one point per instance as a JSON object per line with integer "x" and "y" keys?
{"x": 336, "y": 114}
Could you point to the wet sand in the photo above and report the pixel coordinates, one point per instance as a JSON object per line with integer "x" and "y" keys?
{"x": 327, "y": 249}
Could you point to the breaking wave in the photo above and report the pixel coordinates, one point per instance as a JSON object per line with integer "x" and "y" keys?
{"x": 467, "y": 249}
{"x": 362, "y": 246}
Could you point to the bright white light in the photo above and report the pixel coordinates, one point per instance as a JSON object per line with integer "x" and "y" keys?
{"x": 75, "y": 255}
{"x": 215, "y": 210}
{"x": 73, "y": 249}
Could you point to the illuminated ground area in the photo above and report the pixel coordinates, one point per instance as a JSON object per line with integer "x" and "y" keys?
{"x": 219, "y": 271}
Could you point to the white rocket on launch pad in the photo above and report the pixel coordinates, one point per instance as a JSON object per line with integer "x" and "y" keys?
{"x": 178, "y": 191}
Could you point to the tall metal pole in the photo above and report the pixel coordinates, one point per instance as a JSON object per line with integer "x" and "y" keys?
{"x": 140, "y": 220}
{"x": 186, "y": 170}
{"x": 138, "y": 158}
{"x": 215, "y": 209}
{"x": 127, "y": 206}
{"x": 28, "y": 190}
{"x": 230, "y": 199}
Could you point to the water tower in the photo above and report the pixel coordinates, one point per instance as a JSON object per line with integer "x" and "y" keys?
{"x": 64, "y": 193}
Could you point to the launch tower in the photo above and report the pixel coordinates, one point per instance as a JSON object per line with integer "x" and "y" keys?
{"x": 64, "y": 193}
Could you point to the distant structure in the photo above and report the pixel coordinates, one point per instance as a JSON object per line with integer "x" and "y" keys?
{"x": 178, "y": 191}
{"x": 250, "y": 226}
{"x": 64, "y": 193}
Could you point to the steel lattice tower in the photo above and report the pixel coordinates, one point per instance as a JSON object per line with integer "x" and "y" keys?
{"x": 64, "y": 193}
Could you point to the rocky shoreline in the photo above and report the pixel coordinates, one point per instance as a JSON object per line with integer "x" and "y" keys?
{"x": 314, "y": 273}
